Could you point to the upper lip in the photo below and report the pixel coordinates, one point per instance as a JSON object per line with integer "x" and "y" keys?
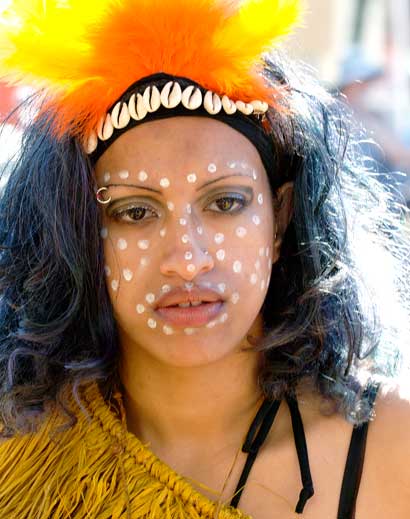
{"x": 180, "y": 295}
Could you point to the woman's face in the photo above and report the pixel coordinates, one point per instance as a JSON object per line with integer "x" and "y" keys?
{"x": 190, "y": 220}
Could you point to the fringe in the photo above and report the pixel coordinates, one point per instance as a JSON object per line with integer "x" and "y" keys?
{"x": 95, "y": 470}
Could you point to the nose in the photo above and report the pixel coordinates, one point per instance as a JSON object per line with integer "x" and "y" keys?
{"x": 186, "y": 256}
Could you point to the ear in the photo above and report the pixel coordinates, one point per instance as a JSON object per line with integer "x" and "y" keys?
{"x": 283, "y": 211}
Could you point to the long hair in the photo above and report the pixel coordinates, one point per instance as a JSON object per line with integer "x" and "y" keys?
{"x": 324, "y": 314}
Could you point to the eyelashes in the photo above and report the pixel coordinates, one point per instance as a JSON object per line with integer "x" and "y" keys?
{"x": 228, "y": 204}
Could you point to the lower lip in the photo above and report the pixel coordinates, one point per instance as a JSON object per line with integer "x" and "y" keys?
{"x": 191, "y": 316}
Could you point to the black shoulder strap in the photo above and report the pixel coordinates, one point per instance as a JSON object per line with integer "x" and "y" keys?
{"x": 354, "y": 464}
{"x": 258, "y": 431}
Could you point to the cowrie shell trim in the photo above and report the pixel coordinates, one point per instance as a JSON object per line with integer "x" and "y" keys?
{"x": 171, "y": 96}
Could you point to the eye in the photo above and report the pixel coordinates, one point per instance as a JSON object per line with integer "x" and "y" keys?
{"x": 133, "y": 213}
{"x": 229, "y": 204}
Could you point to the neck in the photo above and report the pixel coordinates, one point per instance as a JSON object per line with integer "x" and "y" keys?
{"x": 174, "y": 406}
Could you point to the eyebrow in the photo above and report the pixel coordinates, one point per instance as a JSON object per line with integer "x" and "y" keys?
{"x": 140, "y": 186}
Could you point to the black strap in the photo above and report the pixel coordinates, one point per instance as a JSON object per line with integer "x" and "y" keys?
{"x": 301, "y": 448}
{"x": 354, "y": 464}
{"x": 257, "y": 434}
{"x": 253, "y": 441}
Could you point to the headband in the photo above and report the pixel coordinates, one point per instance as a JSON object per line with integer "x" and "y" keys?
{"x": 250, "y": 127}
{"x": 87, "y": 54}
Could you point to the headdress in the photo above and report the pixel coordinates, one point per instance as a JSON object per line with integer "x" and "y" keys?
{"x": 86, "y": 54}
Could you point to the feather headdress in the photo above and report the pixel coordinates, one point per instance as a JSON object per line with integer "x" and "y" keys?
{"x": 85, "y": 54}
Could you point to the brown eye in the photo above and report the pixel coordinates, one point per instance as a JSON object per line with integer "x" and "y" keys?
{"x": 133, "y": 214}
{"x": 228, "y": 204}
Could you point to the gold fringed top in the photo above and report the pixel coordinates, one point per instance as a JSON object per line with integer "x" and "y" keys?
{"x": 96, "y": 470}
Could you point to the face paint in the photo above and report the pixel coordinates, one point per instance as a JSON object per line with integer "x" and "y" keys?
{"x": 218, "y": 204}
{"x": 124, "y": 174}
{"x": 260, "y": 199}
{"x": 107, "y": 271}
{"x": 107, "y": 177}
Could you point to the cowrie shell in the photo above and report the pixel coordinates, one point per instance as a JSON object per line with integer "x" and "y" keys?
{"x": 212, "y": 103}
{"x": 115, "y": 113}
{"x": 228, "y": 105}
{"x": 120, "y": 115}
{"x": 92, "y": 143}
{"x": 125, "y": 117}
{"x": 245, "y": 108}
{"x": 137, "y": 108}
{"x": 152, "y": 99}
{"x": 171, "y": 94}
{"x": 107, "y": 129}
{"x": 259, "y": 107}
{"x": 100, "y": 128}
{"x": 192, "y": 97}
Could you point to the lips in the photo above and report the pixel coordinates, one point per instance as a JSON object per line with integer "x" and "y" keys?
{"x": 198, "y": 307}
{"x": 182, "y": 296}
{"x": 191, "y": 316}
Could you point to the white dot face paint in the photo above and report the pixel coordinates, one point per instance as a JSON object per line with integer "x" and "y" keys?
{"x": 128, "y": 275}
{"x": 104, "y": 233}
{"x": 260, "y": 199}
{"x": 152, "y": 323}
{"x": 231, "y": 165}
{"x": 142, "y": 176}
{"x": 144, "y": 261}
{"x": 191, "y": 178}
{"x": 107, "y": 271}
{"x": 221, "y": 287}
{"x": 267, "y": 251}
{"x": 219, "y": 238}
{"x": 122, "y": 244}
{"x": 143, "y": 244}
{"x": 241, "y": 232}
{"x": 255, "y": 219}
{"x": 124, "y": 174}
{"x": 114, "y": 284}
{"x": 167, "y": 330}
{"x": 257, "y": 264}
{"x": 164, "y": 182}
{"x": 175, "y": 242}
{"x": 237, "y": 267}
{"x": 107, "y": 177}
{"x": 235, "y": 298}
{"x": 254, "y": 175}
{"x": 189, "y": 331}
{"x": 253, "y": 279}
{"x": 261, "y": 251}
{"x": 150, "y": 298}
{"x": 220, "y": 254}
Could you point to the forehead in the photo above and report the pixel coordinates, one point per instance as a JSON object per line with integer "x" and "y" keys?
{"x": 180, "y": 142}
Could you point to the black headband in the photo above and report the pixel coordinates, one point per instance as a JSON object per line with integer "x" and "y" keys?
{"x": 249, "y": 125}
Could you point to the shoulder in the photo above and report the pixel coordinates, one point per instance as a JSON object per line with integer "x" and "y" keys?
{"x": 388, "y": 450}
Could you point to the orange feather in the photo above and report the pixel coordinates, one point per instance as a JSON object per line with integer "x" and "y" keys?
{"x": 86, "y": 54}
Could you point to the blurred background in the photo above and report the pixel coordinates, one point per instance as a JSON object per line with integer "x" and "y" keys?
{"x": 360, "y": 47}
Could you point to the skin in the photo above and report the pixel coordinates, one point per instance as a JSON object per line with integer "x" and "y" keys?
{"x": 193, "y": 397}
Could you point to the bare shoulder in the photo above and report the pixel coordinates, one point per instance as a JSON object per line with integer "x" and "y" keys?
{"x": 387, "y": 467}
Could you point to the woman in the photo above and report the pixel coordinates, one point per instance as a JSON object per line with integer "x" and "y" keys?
{"x": 193, "y": 317}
